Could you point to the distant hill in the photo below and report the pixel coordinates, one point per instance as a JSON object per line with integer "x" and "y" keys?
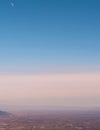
{"x": 3, "y": 114}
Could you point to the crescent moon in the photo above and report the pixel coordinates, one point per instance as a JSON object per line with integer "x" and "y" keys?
{"x": 12, "y": 4}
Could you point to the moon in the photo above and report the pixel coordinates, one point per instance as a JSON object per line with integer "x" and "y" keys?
{"x": 12, "y": 4}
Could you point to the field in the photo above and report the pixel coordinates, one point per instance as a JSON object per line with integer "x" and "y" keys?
{"x": 51, "y": 120}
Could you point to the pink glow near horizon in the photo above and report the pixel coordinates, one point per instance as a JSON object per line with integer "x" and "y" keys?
{"x": 51, "y": 90}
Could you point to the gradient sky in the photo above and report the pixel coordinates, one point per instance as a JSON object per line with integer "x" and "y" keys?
{"x": 49, "y": 37}
{"x": 50, "y": 91}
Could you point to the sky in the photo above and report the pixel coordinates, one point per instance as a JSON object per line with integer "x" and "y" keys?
{"x": 60, "y": 91}
{"x": 46, "y": 39}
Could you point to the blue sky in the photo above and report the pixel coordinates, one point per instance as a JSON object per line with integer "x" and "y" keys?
{"x": 37, "y": 35}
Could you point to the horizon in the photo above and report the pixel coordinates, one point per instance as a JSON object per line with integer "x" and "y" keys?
{"x": 53, "y": 91}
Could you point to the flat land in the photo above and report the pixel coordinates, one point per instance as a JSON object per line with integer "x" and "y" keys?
{"x": 50, "y": 121}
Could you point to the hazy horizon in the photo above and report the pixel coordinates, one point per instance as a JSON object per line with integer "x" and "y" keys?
{"x": 52, "y": 90}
